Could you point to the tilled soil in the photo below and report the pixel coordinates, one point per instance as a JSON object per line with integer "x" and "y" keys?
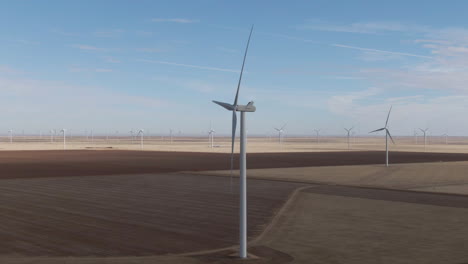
{"x": 54, "y": 163}
{"x": 129, "y": 215}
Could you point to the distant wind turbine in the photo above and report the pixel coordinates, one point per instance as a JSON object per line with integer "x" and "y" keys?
{"x": 387, "y": 134}
{"x": 211, "y": 133}
{"x": 64, "y": 138}
{"x": 11, "y": 135}
{"x": 317, "y": 131}
{"x": 243, "y": 160}
{"x": 446, "y": 138}
{"x": 348, "y": 130}
{"x": 141, "y": 137}
{"x": 425, "y": 141}
{"x": 280, "y": 133}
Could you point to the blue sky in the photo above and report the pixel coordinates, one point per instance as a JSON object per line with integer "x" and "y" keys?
{"x": 122, "y": 65}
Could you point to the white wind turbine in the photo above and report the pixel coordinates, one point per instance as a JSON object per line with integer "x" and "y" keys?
{"x": 317, "y": 131}
{"x": 348, "y": 130}
{"x": 387, "y": 134}
{"x": 424, "y": 132}
{"x": 141, "y": 132}
{"x": 11, "y": 135}
{"x": 446, "y": 138}
{"x": 211, "y": 133}
{"x": 243, "y": 160}
{"x": 64, "y": 138}
{"x": 280, "y": 133}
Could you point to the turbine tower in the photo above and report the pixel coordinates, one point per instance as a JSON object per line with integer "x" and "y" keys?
{"x": 64, "y": 138}
{"x": 243, "y": 160}
{"x": 211, "y": 133}
{"x": 425, "y": 141}
{"x": 387, "y": 134}
{"x": 11, "y": 135}
{"x": 141, "y": 132}
{"x": 446, "y": 140}
{"x": 348, "y": 130}
{"x": 280, "y": 133}
{"x": 317, "y": 131}
{"x": 131, "y": 135}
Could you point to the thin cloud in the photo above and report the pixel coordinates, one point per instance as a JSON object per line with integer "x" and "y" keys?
{"x": 6, "y": 70}
{"x": 64, "y": 33}
{"x": 87, "y": 47}
{"x": 381, "y": 51}
{"x": 143, "y": 33}
{"x": 363, "y": 27}
{"x": 289, "y": 37}
{"x": 190, "y": 66}
{"x": 149, "y": 50}
{"x": 77, "y": 69}
{"x": 175, "y": 20}
{"x": 109, "y": 33}
{"x": 111, "y": 60}
{"x": 103, "y": 70}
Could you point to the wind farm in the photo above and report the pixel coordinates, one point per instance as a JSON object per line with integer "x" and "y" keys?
{"x": 355, "y": 150}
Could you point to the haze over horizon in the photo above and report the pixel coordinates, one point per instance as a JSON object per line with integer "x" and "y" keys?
{"x": 122, "y": 65}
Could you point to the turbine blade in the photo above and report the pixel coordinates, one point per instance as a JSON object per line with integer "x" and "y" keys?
{"x": 276, "y": 129}
{"x": 386, "y": 122}
{"x": 380, "y": 129}
{"x": 422, "y": 130}
{"x": 242, "y": 69}
{"x": 225, "y": 105}
{"x": 388, "y": 132}
{"x": 283, "y": 126}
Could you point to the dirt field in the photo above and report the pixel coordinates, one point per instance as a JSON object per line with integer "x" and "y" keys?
{"x": 30, "y": 164}
{"x": 49, "y": 210}
{"x": 435, "y": 176}
{"x": 363, "y": 226}
{"x": 129, "y": 215}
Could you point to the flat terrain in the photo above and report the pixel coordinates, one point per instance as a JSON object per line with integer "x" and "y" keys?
{"x": 363, "y": 226}
{"x": 129, "y": 215}
{"x": 138, "y": 207}
{"x": 433, "y": 177}
{"x": 255, "y": 144}
{"x": 57, "y": 163}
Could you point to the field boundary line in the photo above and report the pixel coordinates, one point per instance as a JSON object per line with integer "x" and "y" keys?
{"x": 254, "y": 241}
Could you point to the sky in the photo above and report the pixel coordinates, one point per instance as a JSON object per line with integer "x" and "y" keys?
{"x": 111, "y": 66}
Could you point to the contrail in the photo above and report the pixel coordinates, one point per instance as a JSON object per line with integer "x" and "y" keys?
{"x": 381, "y": 51}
